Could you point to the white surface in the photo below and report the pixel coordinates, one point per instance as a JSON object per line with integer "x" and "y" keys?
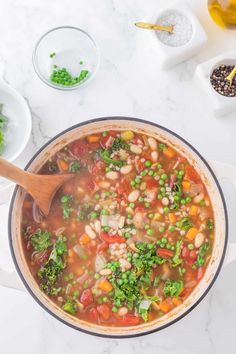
{"x": 129, "y": 82}
{"x": 221, "y": 105}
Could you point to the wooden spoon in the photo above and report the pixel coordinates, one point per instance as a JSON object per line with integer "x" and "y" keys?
{"x": 41, "y": 187}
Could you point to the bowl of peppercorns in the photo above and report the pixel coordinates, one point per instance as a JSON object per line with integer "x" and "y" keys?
{"x": 66, "y": 57}
{"x": 219, "y": 80}
{"x": 212, "y": 76}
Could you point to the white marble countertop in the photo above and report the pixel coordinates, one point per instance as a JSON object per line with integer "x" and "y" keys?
{"x": 129, "y": 83}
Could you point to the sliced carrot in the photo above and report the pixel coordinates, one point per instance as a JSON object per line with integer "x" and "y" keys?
{"x": 186, "y": 186}
{"x": 176, "y": 301}
{"x": 63, "y": 165}
{"x": 92, "y": 138}
{"x": 71, "y": 256}
{"x": 192, "y": 233}
{"x": 84, "y": 239}
{"x": 165, "y": 306}
{"x": 193, "y": 210}
{"x": 169, "y": 152}
{"x": 172, "y": 217}
{"x": 105, "y": 285}
{"x": 79, "y": 271}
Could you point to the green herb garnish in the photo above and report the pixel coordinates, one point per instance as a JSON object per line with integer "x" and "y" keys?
{"x": 41, "y": 240}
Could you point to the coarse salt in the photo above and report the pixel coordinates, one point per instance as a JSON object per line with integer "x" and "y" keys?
{"x": 182, "y": 32}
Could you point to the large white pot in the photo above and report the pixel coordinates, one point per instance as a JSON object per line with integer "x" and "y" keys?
{"x": 215, "y": 193}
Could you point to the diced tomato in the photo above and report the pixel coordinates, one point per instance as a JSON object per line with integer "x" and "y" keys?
{"x": 151, "y": 183}
{"x": 104, "y": 311}
{"x": 102, "y": 246}
{"x": 129, "y": 320}
{"x": 112, "y": 238}
{"x": 124, "y": 187}
{"x": 99, "y": 166}
{"x": 79, "y": 148}
{"x": 93, "y": 314}
{"x": 191, "y": 174}
{"x": 193, "y": 255}
{"x": 92, "y": 186}
{"x": 185, "y": 252}
{"x": 164, "y": 253}
{"x": 86, "y": 297}
{"x": 139, "y": 209}
{"x": 200, "y": 273}
{"x": 108, "y": 140}
{"x": 139, "y": 165}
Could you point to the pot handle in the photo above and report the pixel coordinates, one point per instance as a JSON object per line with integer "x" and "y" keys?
{"x": 227, "y": 171}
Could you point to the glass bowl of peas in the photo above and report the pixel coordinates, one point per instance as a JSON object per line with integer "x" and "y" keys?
{"x": 66, "y": 57}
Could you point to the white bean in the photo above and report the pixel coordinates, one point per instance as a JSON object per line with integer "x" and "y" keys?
{"x": 126, "y": 169}
{"x": 104, "y": 184}
{"x": 122, "y": 311}
{"x": 165, "y": 201}
{"x": 198, "y": 198}
{"x": 199, "y": 239}
{"x": 133, "y": 196}
{"x": 112, "y": 175}
{"x": 97, "y": 226}
{"x": 105, "y": 271}
{"x": 135, "y": 149}
{"x": 152, "y": 143}
{"x": 89, "y": 231}
{"x": 154, "y": 156}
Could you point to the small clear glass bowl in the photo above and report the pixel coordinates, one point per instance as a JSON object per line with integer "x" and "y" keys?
{"x": 66, "y": 47}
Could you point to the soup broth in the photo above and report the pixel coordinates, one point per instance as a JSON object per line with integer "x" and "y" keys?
{"x": 128, "y": 238}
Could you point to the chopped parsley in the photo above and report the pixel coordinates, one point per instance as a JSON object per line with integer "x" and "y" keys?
{"x": 66, "y": 201}
{"x": 173, "y": 288}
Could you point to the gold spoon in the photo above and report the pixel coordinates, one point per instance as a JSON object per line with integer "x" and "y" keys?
{"x": 146, "y": 25}
{"x": 231, "y": 76}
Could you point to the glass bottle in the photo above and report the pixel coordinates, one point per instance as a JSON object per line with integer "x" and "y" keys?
{"x": 223, "y": 12}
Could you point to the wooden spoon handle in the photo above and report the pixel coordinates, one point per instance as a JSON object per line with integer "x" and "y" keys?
{"x": 14, "y": 173}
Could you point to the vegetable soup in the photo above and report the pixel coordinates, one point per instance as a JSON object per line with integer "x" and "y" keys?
{"x": 128, "y": 238}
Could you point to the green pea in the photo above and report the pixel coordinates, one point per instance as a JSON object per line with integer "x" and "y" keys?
{"x": 162, "y": 245}
{"x": 168, "y": 246}
{"x": 172, "y": 248}
{"x": 114, "y": 309}
{"x": 143, "y": 173}
{"x": 146, "y": 226}
{"x": 161, "y": 182}
{"x": 181, "y": 172}
{"x": 151, "y": 173}
{"x": 159, "y": 196}
{"x": 164, "y": 240}
{"x": 93, "y": 215}
{"x": 127, "y": 235}
{"x": 140, "y": 199}
{"x": 162, "y": 189}
{"x": 150, "y": 232}
{"x": 104, "y": 212}
{"x": 188, "y": 200}
{"x": 183, "y": 201}
{"x": 159, "y": 166}
{"x": 137, "y": 180}
{"x": 164, "y": 176}
{"x": 148, "y": 163}
{"x": 190, "y": 246}
{"x": 171, "y": 228}
{"x": 166, "y": 209}
{"x": 150, "y": 216}
{"x": 132, "y": 205}
{"x": 133, "y": 183}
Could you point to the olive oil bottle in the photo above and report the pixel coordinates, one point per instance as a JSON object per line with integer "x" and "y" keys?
{"x": 223, "y": 12}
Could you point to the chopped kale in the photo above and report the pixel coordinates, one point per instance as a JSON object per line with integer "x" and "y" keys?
{"x": 201, "y": 254}
{"x": 66, "y": 201}
{"x": 173, "y": 288}
{"x": 41, "y": 240}
{"x": 75, "y": 167}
